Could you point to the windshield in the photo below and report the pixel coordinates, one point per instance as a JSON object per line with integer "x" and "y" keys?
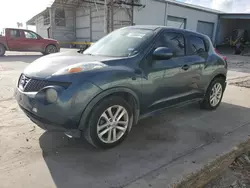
{"x": 120, "y": 43}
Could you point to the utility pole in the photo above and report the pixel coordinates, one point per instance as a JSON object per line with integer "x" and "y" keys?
{"x": 106, "y": 17}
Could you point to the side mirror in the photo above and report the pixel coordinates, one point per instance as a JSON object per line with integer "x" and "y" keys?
{"x": 162, "y": 53}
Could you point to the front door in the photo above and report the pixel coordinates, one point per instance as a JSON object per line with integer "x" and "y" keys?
{"x": 172, "y": 81}
{"x": 32, "y": 42}
{"x": 161, "y": 81}
{"x": 181, "y": 80}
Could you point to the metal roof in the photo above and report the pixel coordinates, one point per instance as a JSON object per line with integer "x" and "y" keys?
{"x": 33, "y": 19}
{"x": 155, "y": 27}
{"x": 187, "y": 5}
{"x": 235, "y": 16}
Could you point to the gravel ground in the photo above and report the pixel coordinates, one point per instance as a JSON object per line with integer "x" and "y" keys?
{"x": 237, "y": 175}
{"x": 245, "y": 83}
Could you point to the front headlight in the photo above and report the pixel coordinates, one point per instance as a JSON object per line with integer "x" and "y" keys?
{"x": 80, "y": 67}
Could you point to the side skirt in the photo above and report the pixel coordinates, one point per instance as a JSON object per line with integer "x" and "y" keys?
{"x": 155, "y": 112}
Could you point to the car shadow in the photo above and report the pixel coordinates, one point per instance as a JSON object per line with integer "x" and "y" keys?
{"x": 21, "y": 58}
{"x": 152, "y": 143}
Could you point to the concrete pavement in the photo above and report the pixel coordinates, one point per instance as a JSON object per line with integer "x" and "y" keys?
{"x": 159, "y": 151}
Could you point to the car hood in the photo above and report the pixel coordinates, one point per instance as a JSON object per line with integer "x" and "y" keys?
{"x": 49, "y": 40}
{"x": 46, "y": 66}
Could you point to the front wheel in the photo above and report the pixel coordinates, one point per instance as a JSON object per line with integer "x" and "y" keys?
{"x": 214, "y": 94}
{"x": 109, "y": 123}
{"x": 50, "y": 49}
{"x": 2, "y": 50}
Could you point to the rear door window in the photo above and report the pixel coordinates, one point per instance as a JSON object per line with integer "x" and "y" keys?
{"x": 197, "y": 45}
{"x": 15, "y": 33}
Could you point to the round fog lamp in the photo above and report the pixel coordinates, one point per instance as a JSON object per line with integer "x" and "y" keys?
{"x": 51, "y": 95}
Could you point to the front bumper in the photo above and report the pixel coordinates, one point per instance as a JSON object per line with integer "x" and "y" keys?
{"x": 65, "y": 113}
{"x": 46, "y": 116}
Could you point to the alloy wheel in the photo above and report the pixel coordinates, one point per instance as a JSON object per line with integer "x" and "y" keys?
{"x": 51, "y": 49}
{"x": 216, "y": 94}
{"x": 112, "y": 124}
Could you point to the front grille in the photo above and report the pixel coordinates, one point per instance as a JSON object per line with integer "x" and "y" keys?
{"x": 33, "y": 85}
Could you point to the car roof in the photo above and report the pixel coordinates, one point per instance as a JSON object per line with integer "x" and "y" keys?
{"x": 159, "y": 27}
{"x": 18, "y": 29}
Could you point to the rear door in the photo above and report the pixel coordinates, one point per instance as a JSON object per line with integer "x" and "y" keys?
{"x": 198, "y": 54}
{"x": 14, "y": 39}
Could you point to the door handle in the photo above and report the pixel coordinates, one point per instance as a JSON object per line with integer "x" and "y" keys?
{"x": 185, "y": 67}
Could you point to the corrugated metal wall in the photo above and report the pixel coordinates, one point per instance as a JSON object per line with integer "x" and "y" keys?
{"x": 83, "y": 24}
{"x": 90, "y": 23}
{"x": 67, "y": 32}
{"x": 97, "y": 21}
{"x": 148, "y": 15}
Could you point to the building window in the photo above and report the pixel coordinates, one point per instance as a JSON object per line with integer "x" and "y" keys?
{"x": 60, "y": 17}
{"x": 46, "y": 18}
{"x": 176, "y": 22}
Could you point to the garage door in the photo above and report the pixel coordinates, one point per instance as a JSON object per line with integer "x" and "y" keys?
{"x": 206, "y": 28}
{"x": 176, "y": 22}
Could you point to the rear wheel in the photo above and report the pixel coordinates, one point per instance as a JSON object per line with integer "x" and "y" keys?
{"x": 50, "y": 49}
{"x": 109, "y": 123}
{"x": 214, "y": 94}
{"x": 2, "y": 50}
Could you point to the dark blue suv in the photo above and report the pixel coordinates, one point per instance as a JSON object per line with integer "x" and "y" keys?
{"x": 127, "y": 75}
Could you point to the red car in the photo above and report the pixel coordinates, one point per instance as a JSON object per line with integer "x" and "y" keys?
{"x": 25, "y": 40}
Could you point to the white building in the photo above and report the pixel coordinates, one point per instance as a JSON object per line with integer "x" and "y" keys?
{"x": 89, "y": 20}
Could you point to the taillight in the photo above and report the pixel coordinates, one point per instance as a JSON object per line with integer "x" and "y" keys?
{"x": 224, "y": 57}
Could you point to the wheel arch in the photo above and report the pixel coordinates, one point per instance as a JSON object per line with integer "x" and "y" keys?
{"x": 4, "y": 45}
{"x": 219, "y": 75}
{"x": 126, "y": 93}
{"x": 215, "y": 76}
{"x": 50, "y": 44}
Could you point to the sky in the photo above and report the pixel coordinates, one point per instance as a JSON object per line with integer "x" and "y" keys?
{"x": 13, "y": 11}
{"x": 236, "y": 6}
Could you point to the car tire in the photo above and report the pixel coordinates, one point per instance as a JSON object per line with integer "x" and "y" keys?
{"x": 103, "y": 131}
{"x": 50, "y": 49}
{"x": 2, "y": 50}
{"x": 214, "y": 94}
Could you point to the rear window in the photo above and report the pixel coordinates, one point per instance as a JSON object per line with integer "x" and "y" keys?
{"x": 15, "y": 33}
{"x": 197, "y": 45}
